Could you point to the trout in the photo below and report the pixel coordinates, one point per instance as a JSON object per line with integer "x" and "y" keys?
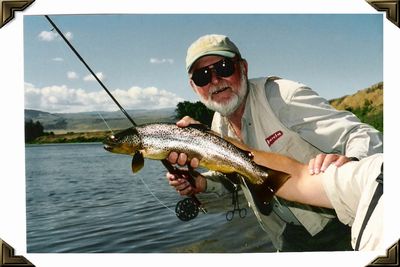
{"x": 156, "y": 140}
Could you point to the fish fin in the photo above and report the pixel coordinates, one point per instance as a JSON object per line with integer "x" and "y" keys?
{"x": 275, "y": 178}
{"x": 137, "y": 162}
{"x": 263, "y": 193}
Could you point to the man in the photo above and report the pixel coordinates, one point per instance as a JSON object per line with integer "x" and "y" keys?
{"x": 277, "y": 115}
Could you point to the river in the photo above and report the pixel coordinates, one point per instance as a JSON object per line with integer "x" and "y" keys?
{"x": 83, "y": 199}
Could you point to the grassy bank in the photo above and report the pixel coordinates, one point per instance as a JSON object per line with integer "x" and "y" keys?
{"x": 366, "y": 104}
{"x": 72, "y": 137}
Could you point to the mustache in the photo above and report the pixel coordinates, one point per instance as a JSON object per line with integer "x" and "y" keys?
{"x": 217, "y": 88}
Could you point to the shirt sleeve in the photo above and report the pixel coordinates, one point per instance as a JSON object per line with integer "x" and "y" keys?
{"x": 328, "y": 129}
{"x": 351, "y": 186}
{"x": 342, "y": 191}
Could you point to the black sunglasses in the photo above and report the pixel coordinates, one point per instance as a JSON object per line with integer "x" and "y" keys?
{"x": 223, "y": 68}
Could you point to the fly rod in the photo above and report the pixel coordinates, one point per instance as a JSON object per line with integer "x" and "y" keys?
{"x": 181, "y": 209}
{"x": 90, "y": 70}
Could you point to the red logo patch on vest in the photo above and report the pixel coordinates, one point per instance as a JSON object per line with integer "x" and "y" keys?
{"x": 273, "y": 137}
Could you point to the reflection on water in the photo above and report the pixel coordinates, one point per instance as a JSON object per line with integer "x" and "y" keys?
{"x": 81, "y": 198}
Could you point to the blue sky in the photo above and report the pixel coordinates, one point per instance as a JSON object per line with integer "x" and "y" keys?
{"x": 141, "y": 57}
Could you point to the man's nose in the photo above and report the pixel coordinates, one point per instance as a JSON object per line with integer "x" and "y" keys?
{"x": 214, "y": 77}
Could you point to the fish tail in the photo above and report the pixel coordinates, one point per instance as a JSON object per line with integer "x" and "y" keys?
{"x": 263, "y": 193}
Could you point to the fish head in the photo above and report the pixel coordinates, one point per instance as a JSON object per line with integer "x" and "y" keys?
{"x": 125, "y": 142}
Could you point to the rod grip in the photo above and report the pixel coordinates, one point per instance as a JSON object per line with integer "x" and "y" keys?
{"x": 191, "y": 173}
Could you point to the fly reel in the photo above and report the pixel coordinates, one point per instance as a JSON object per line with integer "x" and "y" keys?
{"x": 187, "y": 209}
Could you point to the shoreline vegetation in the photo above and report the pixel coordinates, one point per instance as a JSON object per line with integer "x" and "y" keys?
{"x": 366, "y": 104}
{"x": 35, "y": 132}
{"x": 72, "y": 137}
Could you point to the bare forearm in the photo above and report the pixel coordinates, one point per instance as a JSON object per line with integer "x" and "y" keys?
{"x": 301, "y": 187}
{"x": 306, "y": 189}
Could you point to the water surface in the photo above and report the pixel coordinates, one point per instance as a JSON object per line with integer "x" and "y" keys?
{"x": 81, "y": 198}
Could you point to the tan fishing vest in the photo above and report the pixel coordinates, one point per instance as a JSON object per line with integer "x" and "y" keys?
{"x": 261, "y": 129}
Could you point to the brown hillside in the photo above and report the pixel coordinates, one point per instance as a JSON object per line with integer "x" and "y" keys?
{"x": 372, "y": 96}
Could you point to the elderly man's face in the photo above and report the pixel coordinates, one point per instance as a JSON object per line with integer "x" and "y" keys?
{"x": 222, "y": 94}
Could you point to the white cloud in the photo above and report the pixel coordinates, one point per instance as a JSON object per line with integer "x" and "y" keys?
{"x": 161, "y": 61}
{"x": 63, "y": 99}
{"x": 72, "y": 75}
{"x": 68, "y": 35}
{"x": 57, "y": 59}
{"x": 49, "y": 36}
{"x": 90, "y": 77}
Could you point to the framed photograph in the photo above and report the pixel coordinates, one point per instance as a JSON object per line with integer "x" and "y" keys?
{"x": 75, "y": 73}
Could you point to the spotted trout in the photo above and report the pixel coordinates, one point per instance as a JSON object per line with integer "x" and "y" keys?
{"x": 156, "y": 140}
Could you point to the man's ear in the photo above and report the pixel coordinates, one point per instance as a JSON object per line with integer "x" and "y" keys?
{"x": 245, "y": 66}
{"x": 193, "y": 85}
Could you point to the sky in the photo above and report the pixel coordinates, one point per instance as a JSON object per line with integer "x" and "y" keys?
{"x": 140, "y": 57}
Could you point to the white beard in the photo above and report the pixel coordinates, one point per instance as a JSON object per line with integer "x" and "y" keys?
{"x": 236, "y": 100}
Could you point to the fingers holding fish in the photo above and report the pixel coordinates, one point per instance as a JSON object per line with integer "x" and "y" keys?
{"x": 172, "y": 157}
{"x": 175, "y": 158}
{"x": 194, "y": 163}
{"x": 182, "y": 159}
{"x": 186, "y": 121}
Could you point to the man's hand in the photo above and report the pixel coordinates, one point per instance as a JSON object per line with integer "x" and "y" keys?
{"x": 181, "y": 184}
{"x": 322, "y": 161}
{"x": 182, "y": 159}
{"x": 183, "y": 187}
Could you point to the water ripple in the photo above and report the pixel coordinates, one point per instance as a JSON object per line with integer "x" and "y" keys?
{"x": 83, "y": 199}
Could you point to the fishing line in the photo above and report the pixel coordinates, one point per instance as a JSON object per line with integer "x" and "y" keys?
{"x": 148, "y": 189}
{"x": 90, "y": 70}
{"x": 186, "y": 209}
{"x": 108, "y": 126}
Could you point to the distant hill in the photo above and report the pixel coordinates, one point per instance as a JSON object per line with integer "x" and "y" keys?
{"x": 366, "y": 104}
{"x": 92, "y": 121}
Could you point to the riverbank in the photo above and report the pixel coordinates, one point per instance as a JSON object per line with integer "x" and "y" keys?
{"x": 72, "y": 137}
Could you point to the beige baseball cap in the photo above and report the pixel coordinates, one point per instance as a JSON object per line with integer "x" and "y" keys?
{"x": 211, "y": 44}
